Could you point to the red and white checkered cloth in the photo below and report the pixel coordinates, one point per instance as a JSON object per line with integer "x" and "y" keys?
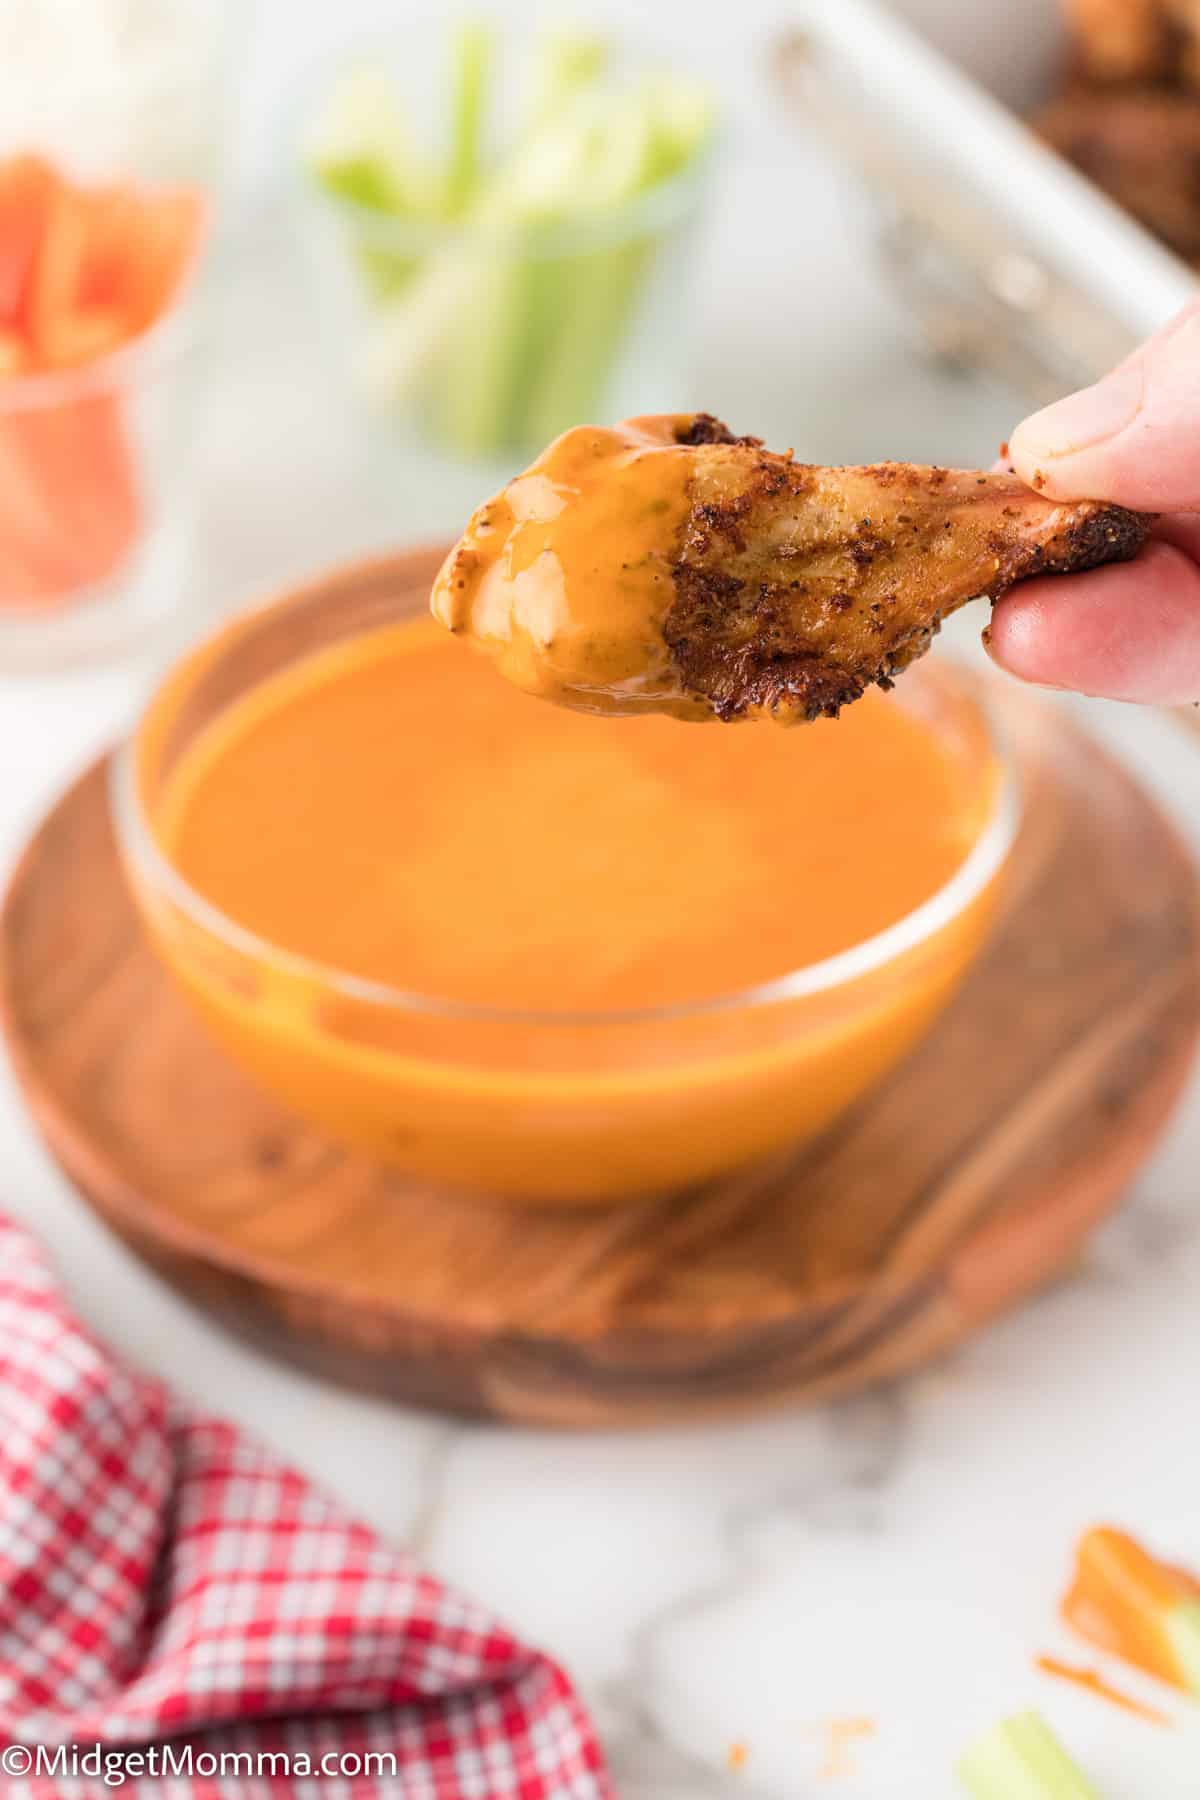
{"x": 164, "y": 1580}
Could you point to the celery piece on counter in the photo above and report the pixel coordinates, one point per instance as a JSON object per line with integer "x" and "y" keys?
{"x": 473, "y": 54}
{"x": 1183, "y": 1632}
{"x": 1021, "y": 1759}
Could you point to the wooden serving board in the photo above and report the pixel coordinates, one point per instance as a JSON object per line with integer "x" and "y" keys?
{"x": 970, "y": 1177}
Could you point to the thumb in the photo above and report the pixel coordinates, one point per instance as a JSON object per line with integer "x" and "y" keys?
{"x": 1133, "y": 438}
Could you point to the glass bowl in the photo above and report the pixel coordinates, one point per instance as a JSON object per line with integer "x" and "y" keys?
{"x": 548, "y": 1107}
{"x": 94, "y": 496}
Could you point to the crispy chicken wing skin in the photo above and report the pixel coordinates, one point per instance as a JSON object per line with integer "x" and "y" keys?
{"x": 670, "y": 566}
{"x": 798, "y": 587}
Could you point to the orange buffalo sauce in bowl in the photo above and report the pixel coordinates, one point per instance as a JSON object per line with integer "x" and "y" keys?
{"x": 536, "y": 953}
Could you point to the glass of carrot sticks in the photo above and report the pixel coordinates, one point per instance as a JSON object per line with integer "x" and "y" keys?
{"x": 94, "y": 335}
{"x": 504, "y": 225}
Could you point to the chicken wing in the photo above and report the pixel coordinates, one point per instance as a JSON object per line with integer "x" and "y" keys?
{"x": 1120, "y": 41}
{"x": 670, "y": 566}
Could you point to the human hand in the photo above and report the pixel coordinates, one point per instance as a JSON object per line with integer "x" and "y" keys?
{"x": 1130, "y": 631}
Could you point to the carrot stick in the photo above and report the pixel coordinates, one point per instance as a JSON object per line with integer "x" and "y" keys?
{"x": 69, "y": 504}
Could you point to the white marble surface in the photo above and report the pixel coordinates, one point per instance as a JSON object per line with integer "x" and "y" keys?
{"x": 897, "y": 1556}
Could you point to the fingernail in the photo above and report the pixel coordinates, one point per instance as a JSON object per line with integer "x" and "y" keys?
{"x": 1092, "y": 416}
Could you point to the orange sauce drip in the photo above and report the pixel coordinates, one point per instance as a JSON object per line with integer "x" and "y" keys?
{"x": 1094, "y": 1683}
{"x": 1120, "y": 1598}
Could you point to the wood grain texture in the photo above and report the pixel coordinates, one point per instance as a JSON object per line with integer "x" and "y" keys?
{"x": 970, "y": 1177}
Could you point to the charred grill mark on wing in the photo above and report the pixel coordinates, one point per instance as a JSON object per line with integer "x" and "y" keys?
{"x": 703, "y": 428}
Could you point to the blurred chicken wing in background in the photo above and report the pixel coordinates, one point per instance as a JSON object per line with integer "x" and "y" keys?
{"x": 1128, "y": 115}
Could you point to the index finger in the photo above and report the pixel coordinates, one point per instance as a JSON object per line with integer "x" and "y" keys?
{"x": 1133, "y": 437}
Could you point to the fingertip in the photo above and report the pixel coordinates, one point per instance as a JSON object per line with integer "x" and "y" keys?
{"x": 1129, "y": 438}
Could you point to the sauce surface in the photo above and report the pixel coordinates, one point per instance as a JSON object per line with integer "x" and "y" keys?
{"x": 389, "y": 808}
{"x": 563, "y": 578}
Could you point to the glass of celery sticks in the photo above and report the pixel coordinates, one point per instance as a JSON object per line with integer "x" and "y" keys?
{"x": 504, "y": 228}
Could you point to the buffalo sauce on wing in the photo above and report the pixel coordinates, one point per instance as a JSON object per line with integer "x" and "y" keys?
{"x": 564, "y": 578}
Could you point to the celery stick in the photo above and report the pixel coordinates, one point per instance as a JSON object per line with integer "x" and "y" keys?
{"x": 359, "y": 150}
{"x": 385, "y": 273}
{"x": 404, "y": 339}
{"x": 467, "y": 307}
{"x": 1021, "y": 1759}
{"x": 490, "y": 359}
{"x": 599, "y": 292}
{"x": 483, "y": 361}
{"x": 490, "y": 367}
{"x": 649, "y": 136}
{"x": 505, "y": 344}
{"x": 1183, "y": 1631}
{"x": 487, "y": 338}
{"x": 473, "y": 50}
{"x": 594, "y": 288}
{"x": 685, "y": 117}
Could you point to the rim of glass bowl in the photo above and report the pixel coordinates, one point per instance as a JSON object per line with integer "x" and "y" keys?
{"x": 982, "y": 862}
{"x": 654, "y": 210}
{"x": 168, "y": 338}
